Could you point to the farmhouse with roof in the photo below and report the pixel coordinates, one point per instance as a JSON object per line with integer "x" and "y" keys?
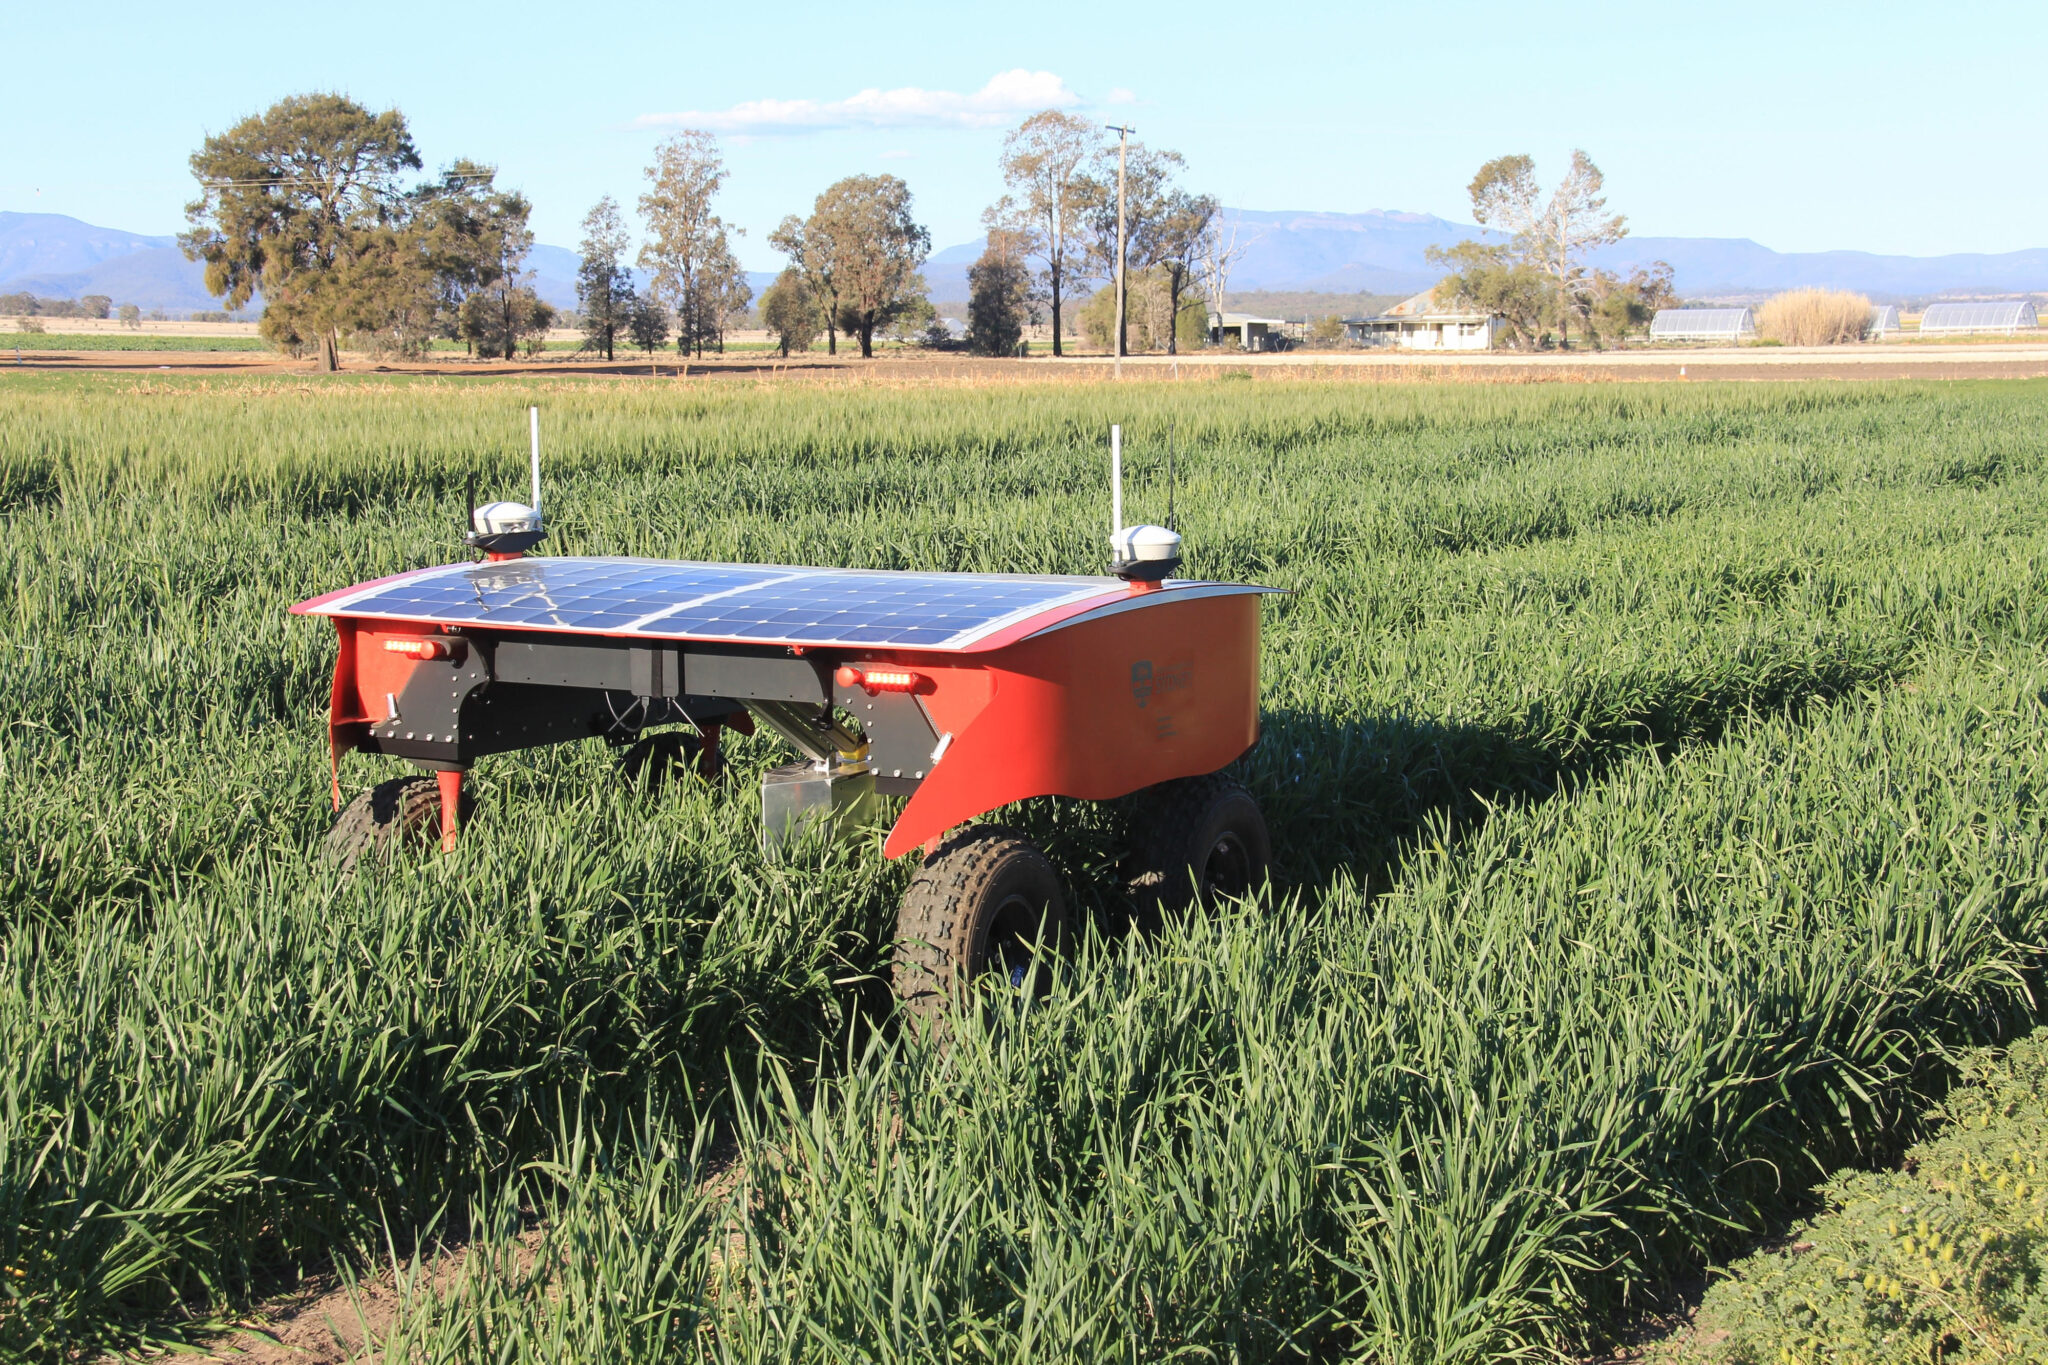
{"x": 1422, "y": 324}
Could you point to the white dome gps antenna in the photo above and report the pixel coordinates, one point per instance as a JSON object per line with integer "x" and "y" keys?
{"x": 1138, "y": 554}
{"x": 509, "y": 529}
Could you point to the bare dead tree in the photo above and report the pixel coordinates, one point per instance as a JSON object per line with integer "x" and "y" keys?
{"x": 1219, "y": 253}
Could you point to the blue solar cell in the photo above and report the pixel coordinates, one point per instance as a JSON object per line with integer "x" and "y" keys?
{"x": 871, "y": 608}
{"x": 587, "y": 594}
{"x": 720, "y": 601}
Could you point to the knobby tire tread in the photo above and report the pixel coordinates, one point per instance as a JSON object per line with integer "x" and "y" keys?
{"x": 934, "y": 924}
{"x": 1166, "y": 819}
{"x": 382, "y": 817}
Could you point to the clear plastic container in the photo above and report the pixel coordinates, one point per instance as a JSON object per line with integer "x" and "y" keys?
{"x": 804, "y": 800}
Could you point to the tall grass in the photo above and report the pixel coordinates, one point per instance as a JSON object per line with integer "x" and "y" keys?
{"x": 1652, "y": 782}
{"x": 1814, "y": 317}
{"x": 1600, "y": 1040}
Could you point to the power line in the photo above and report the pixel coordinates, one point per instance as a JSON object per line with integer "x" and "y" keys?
{"x": 302, "y": 184}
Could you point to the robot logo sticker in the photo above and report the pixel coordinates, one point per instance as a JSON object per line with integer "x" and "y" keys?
{"x": 1158, "y": 683}
{"x": 1146, "y": 682}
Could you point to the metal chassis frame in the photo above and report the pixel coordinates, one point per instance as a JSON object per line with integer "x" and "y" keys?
{"x": 503, "y": 691}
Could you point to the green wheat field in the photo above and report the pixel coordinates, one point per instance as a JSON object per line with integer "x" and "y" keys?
{"x": 1655, "y": 775}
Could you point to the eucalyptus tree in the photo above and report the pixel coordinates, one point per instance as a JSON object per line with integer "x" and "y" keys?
{"x": 790, "y": 313}
{"x": 810, "y": 255}
{"x": 1166, "y": 226}
{"x": 604, "y": 286}
{"x": 688, "y": 248}
{"x": 1551, "y": 236}
{"x": 862, "y": 226}
{"x": 1045, "y": 164}
{"x": 300, "y": 203}
{"x": 999, "y": 295}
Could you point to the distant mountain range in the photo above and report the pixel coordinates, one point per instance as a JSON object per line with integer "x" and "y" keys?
{"x": 1336, "y": 253}
{"x": 554, "y": 275}
{"x": 59, "y": 257}
{"x": 1377, "y": 252}
{"x": 1735, "y": 267}
{"x": 1382, "y": 252}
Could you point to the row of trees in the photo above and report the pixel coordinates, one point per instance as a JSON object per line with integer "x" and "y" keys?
{"x": 1055, "y": 230}
{"x": 306, "y": 204}
{"x": 695, "y": 284}
{"x": 302, "y": 204}
{"x": 854, "y": 269}
{"x": 689, "y": 248}
{"x": 856, "y": 260}
{"x": 30, "y": 306}
{"x": 30, "y": 310}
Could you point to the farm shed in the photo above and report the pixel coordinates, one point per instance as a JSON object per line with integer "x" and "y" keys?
{"x": 1419, "y": 324}
{"x": 1703, "y": 324}
{"x": 2000, "y": 315}
{"x": 1884, "y": 319}
{"x": 1252, "y": 333}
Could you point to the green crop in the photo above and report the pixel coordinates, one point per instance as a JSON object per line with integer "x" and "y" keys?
{"x": 1654, "y": 773}
{"x": 33, "y": 342}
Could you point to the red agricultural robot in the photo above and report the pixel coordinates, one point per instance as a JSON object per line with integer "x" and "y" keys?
{"x": 962, "y": 692}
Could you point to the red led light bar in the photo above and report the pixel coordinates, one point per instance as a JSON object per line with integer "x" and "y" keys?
{"x": 879, "y": 679}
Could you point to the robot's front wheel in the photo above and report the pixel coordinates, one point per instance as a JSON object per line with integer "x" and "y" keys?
{"x": 985, "y": 902}
{"x": 402, "y": 812}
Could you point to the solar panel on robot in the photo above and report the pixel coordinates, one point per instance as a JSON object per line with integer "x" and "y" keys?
{"x": 961, "y": 692}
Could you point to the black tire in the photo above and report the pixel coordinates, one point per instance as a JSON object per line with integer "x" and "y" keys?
{"x": 399, "y": 813}
{"x": 1194, "y": 840}
{"x": 658, "y": 759}
{"x": 981, "y": 903}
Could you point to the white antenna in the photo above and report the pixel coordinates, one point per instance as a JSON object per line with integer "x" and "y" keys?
{"x": 1116, "y": 480}
{"x": 533, "y": 419}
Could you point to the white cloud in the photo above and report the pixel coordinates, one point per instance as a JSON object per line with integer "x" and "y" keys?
{"x": 1120, "y": 96}
{"x": 898, "y": 154}
{"x": 1005, "y": 96}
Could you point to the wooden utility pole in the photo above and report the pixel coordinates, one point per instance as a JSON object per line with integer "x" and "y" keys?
{"x": 1123, "y": 137}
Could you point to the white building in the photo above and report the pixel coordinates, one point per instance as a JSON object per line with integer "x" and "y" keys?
{"x": 1884, "y": 320}
{"x": 1418, "y": 324}
{"x": 1246, "y": 332}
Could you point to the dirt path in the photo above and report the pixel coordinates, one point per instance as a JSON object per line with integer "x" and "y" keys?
{"x": 325, "y": 1322}
{"x": 2001, "y": 360}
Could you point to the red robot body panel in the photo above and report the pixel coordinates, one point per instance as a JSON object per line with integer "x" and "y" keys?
{"x": 1110, "y": 689}
{"x": 1096, "y": 709}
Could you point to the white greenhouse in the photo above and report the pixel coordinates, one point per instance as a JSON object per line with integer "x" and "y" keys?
{"x": 1703, "y": 324}
{"x": 2001, "y": 315}
{"x": 1884, "y": 320}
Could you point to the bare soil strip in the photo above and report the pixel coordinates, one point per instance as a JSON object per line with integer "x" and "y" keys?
{"x": 2013, "y": 360}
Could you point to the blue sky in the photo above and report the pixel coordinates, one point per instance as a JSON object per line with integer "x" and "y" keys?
{"x": 1911, "y": 128}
